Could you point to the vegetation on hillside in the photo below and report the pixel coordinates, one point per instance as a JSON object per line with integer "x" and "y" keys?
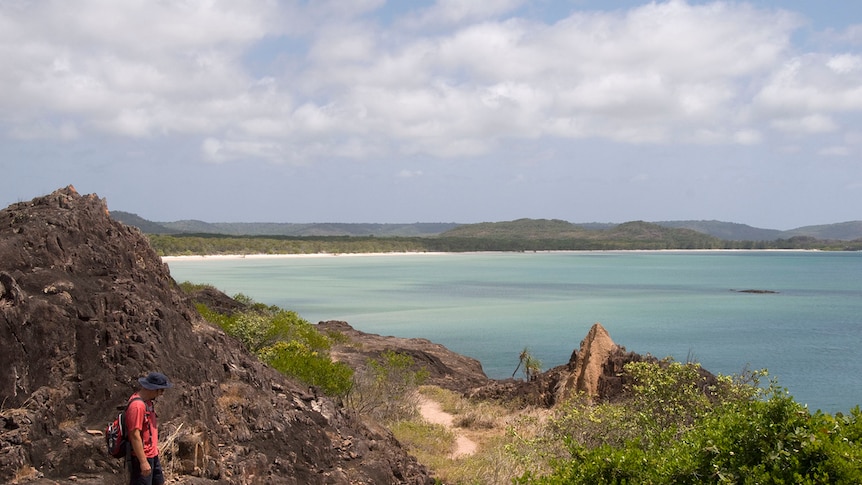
{"x": 669, "y": 430}
{"x": 845, "y": 231}
{"x": 521, "y": 235}
{"x": 284, "y": 340}
{"x": 209, "y": 244}
{"x": 383, "y": 389}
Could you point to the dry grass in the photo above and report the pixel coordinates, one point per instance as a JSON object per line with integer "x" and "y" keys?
{"x": 169, "y": 452}
{"x": 497, "y": 430}
{"x": 25, "y": 474}
{"x": 233, "y": 394}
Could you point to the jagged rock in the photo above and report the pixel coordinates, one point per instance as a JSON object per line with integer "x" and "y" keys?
{"x": 588, "y": 366}
{"x": 595, "y": 370}
{"x": 86, "y": 307}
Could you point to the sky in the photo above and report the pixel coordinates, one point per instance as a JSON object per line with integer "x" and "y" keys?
{"x": 437, "y": 111}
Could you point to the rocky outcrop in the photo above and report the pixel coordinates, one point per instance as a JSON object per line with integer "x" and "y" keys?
{"x": 445, "y": 368}
{"x": 594, "y": 370}
{"x": 86, "y": 307}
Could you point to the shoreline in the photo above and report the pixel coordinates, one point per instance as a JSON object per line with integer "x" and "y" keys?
{"x": 228, "y": 257}
{"x": 224, "y": 257}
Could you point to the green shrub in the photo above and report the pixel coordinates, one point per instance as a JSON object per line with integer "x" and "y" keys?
{"x": 189, "y": 287}
{"x": 312, "y": 367}
{"x": 668, "y": 396}
{"x": 673, "y": 430}
{"x": 285, "y": 341}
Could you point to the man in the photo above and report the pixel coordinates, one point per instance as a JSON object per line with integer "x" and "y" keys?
{"x": 143, "y": 429}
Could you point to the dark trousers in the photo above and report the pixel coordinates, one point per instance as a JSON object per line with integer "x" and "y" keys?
{"x": 157, "y": 477}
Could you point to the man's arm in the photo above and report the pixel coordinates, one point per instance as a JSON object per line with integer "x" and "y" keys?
{"x": 138, "y": 451}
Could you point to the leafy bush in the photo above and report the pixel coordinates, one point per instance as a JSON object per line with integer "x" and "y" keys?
{"x": 676, "y": 429}
{"x": 287, "y": 342}
{"x": 312, "y": 367}
{"x": 189, "y": 287}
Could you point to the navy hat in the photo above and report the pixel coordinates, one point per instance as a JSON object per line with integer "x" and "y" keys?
{"x": 154, "y": 381}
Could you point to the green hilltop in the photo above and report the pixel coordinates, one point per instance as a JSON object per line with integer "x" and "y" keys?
{"x": 197, "y": 237}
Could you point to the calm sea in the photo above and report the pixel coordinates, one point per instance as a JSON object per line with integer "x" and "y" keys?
{"x": 681, "y": 304}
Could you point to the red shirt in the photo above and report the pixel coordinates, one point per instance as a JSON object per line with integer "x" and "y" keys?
{"x": 142, "y": 415}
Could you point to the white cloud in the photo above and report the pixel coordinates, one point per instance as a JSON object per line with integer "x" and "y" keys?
{"x": 453, "y": 12}
{"x": 812, "y": 83}
{"x": 121, "y": 66}
{"x": 815, "y": 123}
{"x": 845, "y": 63}
{"x": 665, "y": 72}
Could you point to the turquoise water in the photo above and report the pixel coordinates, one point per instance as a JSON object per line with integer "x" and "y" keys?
{"x": 682, "y": 304}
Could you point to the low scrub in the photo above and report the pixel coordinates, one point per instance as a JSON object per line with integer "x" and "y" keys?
{"x": 287, "y": 342}
{"x": 386, "y": 388}
{"x": 672, "y": 430}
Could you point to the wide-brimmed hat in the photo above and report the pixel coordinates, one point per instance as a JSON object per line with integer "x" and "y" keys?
{"x": 154, "y": 381}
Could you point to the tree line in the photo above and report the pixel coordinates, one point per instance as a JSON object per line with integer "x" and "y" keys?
{"x": 213, "y": 244}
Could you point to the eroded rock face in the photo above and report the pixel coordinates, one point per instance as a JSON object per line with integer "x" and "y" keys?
{"x": 86, "y": 307}
{"x": 446, "y": 369}
{"x": 589, "y": 365}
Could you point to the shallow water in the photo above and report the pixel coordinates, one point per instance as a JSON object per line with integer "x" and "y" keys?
{"x": 682, "y": 304}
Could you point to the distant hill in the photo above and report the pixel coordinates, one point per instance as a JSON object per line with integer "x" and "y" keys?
{"x": 843, "y": 231}
{"x": 728, "y": 231}
{"x": 530, "y": 228}
{"x": 147, "y": 227}
{"x": 557, "y": 229}
{"x": 418, "y": 229}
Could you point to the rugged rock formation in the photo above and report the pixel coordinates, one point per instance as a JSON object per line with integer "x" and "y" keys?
{"x": 594, "y": 369}
{"x": 445, "y": 368}
{"x": 86, "y": 307}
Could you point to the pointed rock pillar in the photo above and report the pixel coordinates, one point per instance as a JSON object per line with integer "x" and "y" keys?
{"x": 587, "y": 365}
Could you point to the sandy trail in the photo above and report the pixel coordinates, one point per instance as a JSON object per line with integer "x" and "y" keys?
{"x": 434, "y": 414}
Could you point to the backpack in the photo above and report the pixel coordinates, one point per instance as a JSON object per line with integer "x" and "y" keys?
{"x": 116, "y": 437}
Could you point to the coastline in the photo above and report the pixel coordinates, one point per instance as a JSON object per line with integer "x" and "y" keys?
{"x": 226, "y": 257}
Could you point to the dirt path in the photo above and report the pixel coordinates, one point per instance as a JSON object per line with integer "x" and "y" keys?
{"x": 432, "y": 413}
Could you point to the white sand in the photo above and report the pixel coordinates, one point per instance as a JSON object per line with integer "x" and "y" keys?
{"x": 217, "y": 257}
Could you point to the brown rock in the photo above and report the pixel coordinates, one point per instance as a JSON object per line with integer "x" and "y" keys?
{"x": 446, "y": 369}
{"x": 87, "y": 306}
{"x": 589, "y": 364}
{"x": 594, "y": 369}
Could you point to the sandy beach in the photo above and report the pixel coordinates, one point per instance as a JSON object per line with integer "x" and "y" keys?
{"x": 218, "y": 257}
